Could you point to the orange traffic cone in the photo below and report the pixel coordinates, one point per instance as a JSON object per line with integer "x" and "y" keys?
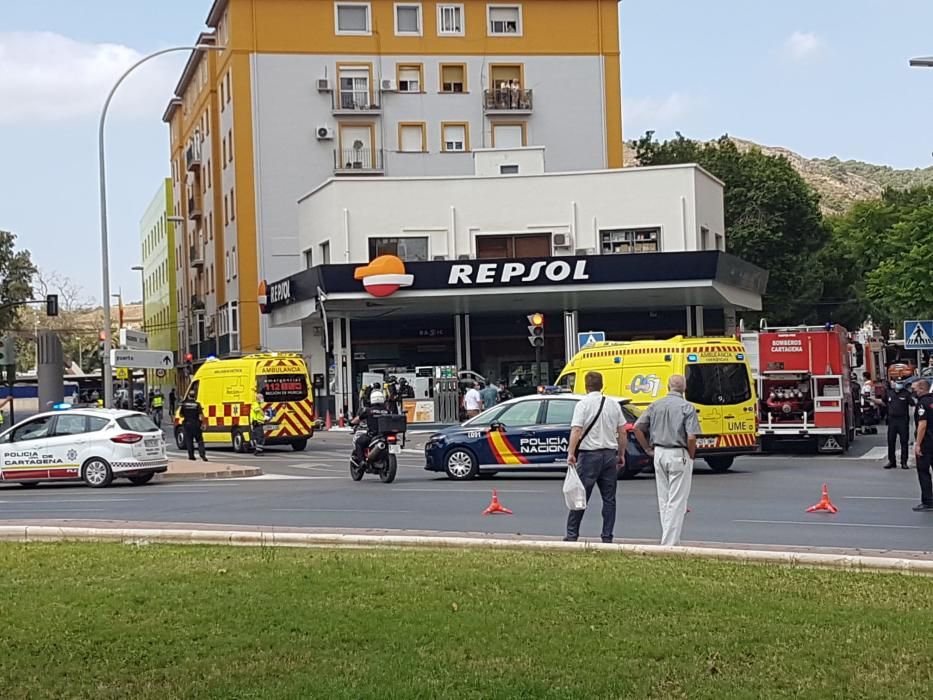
{"x": 340, "y": 419}
{"x": 495, "y": 506}
{"x": 824, "y": 504}
{"x": 327, "y": 422}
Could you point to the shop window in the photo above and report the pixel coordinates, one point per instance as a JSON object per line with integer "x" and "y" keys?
{"x": 620, "y": 241}
{"x": 505, "y": 20}
{"x": 453, "y": 77}
{"x": 408, "y": 20}
{"x": 352, "y": 18}
{"x": 522, "y": 246}
{"x": 450, "y": 20}
{"x": 413, "y": 249}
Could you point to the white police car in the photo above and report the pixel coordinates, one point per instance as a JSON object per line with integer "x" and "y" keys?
{"x": 91, "y": 444}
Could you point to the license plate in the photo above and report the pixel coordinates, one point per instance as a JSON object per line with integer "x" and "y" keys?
{"x": 395, "y": 449}
{"x": 152, "y": 443}
{"x": 707, "y": 442}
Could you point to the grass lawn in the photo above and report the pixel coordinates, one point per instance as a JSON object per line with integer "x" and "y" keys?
{"x": 117, "y": 621}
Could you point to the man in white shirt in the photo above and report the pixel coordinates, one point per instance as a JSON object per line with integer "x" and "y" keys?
{"x": 473, "y": 402}
{"x": 597, "y": 451}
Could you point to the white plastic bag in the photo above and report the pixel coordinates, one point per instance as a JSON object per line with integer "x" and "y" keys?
{"x": 574, "y": 493}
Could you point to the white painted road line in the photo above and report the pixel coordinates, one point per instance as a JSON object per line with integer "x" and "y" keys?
{"x": 876, "y": 453}
{"x": 880, "y": 498}
{"x": 336, "y": 510}
{"x": 476, "y": 490}
{"x": 829, "y": 524}
{"x": 281, "y": 477}
{"x": 39, "y": 499}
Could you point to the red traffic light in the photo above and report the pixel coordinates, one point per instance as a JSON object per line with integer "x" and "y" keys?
{"x": 102, "y": 336}
{"x": 189, "y": 357}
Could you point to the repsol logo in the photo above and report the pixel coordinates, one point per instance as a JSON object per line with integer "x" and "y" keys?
{"x": 510, "y": 272}
{"x": 280, "y": 291}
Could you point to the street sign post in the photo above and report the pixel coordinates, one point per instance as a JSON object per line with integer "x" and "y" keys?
{"x": 590, "y": 337}
{"x": 142, "y": 359}
{"x": 122, "y": 373}
{"x": 133, "y": 340}
{"x": 918, "y": 335}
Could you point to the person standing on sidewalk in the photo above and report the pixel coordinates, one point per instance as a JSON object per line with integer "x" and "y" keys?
{"x": 257, "y": 424}
{"x": 898, "y": 401}
{"x": 597, "y": 451}
{"x": 923, "y": 447}
{"x": 192, "y": 420}
{"x": 673, "y": 426}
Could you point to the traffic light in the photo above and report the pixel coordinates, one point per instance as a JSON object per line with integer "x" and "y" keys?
{"x": 7, "y": 351}
{"x": 51, "y": 305}
{"x": 536, "y": 330}
{"x": 101, "y": 337}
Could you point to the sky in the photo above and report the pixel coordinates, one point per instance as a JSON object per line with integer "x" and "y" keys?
{"x": 821, "y": 78}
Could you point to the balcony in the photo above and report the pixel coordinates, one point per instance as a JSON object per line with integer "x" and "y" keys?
{"x": 508, "y": 101}
{"x": 197, "y": 304}
{"x": 196, "y": 258}
{"x": 194, "y": 208}
{"x": 358, "y": 161}
{"x": 193, "y": 157}
{"x": 356, "y": 102}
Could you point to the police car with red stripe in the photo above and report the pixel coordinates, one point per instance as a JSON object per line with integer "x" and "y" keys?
{"x": 526, "y": 434}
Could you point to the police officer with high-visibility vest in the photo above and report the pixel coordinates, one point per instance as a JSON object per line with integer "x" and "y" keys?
{"x": 156, "y": 404}
{"x": 257, "y": 424}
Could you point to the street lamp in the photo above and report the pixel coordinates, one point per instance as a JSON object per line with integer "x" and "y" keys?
{"x": 922, "y": 62}
{"x": 142, "y": 277}
{"x": 107, "y": 370}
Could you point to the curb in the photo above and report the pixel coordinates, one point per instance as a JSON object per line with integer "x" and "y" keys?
{"x": 44, "y": 533}
{"x": 197, "y": 476}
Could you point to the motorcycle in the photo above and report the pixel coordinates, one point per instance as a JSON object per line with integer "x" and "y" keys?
{"x": 381, "y": 455}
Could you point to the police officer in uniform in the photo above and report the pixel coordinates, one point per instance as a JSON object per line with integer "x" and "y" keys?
{"x": 158, "y": 403}
{"x": 363, "y": 435}
{"x": 898, "y": 401}
{"x": 192, "y": 418}
{"x": 923, "y": 448}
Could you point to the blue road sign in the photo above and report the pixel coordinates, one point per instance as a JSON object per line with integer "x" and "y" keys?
{"x": 590, "y": 337}
{"x": 918, "y": 335}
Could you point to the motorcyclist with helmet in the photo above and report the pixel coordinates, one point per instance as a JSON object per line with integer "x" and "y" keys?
{"x": 363, "y": 436}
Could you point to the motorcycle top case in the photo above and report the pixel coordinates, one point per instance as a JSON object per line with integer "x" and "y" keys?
{"x": 390, "y": 423}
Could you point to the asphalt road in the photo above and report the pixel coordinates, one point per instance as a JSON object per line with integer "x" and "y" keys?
{"x": 762, "y": 500}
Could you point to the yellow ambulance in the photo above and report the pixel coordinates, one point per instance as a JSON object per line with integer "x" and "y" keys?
{"x": 226, "y": 389}
{"x": 719, "y": 385}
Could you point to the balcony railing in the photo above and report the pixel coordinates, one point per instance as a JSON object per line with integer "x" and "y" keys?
{"x": 196, "y": 258}
{"x": 194, "y": 208}
{"x": 356, "y": 101}
{"x": 358, "y": 161}
{"x": 197, "y": 304}
{"x": 193, "y": 157}
{"x": 508, "y": 100}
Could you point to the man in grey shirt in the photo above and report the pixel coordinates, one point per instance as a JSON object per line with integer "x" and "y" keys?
{"x": 673, "y": 425}
{"x": 597, "y": 429}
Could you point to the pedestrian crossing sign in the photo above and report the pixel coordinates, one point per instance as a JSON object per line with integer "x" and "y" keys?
{"x": 122, "y": 373}
{"x": 590, "y": 337}
{"x": 918, "y": 335}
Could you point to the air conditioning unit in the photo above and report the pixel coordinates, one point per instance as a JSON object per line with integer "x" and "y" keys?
{"x": 388, "y": 85}
{"x": 562, "y": 240}
{"x": 323, "y": 85}
{"x": 324, "y": 133}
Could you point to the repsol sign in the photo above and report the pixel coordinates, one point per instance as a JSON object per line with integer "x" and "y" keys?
{"x": 501, "y": 273}
{"x": 280, "y": 291}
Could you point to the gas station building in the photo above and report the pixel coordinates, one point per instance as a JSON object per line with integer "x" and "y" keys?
{"x": 407, "y": 275}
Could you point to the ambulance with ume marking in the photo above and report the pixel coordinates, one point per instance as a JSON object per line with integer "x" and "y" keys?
{"x": 719, "y": 385}
{"x": 226, "y": 389}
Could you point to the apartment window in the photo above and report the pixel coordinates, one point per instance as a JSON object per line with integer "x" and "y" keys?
{"x": 413, "y": 249}
{"x": 210, "y": 225}
{"x": 704, "y": 238}
{"x": 453, "y": 77}
{"x": 325, "y": 253}
{"x": 210, "y": 177}
{"x": 223, "y": 100}
{"x": 352, "y": 18}
{"x": 354, "y": 87}
{"x": 224, "y": 149}
{"x": 720, "y": 242}
{"x": 230, "y": 144}
{"x": 228, "y": 79}
{"x": 410, "y": 78}
{"x": 537, "y": 245}
{"x": 620, "y": 241}
{"x": 454, "y": 137}
{"x": 226, "y": 211}
{"x": 309, "y": 259}
{"x": 511, "y": 169}
{"x": 450, "y": 20}
{"x": 407, "y": 19}
{"x": 234, "y": 326}
{"x": 227, "y": 266}
{"x": 412, "y": 137}
{"x": 232, "y": 206}
{"x": 504, "y": 20}
{"x": 234, "y": 265}
{"x": 508, "y": 135}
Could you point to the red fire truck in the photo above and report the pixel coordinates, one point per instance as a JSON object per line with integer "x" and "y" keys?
{"x": 805, "y": 386}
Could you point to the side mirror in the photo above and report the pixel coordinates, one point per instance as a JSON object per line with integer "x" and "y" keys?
{"x": 496, "y": 426}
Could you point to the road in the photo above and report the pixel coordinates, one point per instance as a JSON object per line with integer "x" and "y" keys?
{"x": 762, "y": 500}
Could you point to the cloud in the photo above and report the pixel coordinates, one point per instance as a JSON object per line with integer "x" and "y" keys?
{"x": 48, "y": 77}
{"x": 656, "y": 112}
{"x": 800, "y": 46}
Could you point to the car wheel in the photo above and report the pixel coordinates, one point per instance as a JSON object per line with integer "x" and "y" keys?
{"x": 719, "y": 464}
{"x": 239, "y": 444}
{"x": 299, "y": 445}
{"x": 97, "y": 473}
{"x": 179, "y": 438}
{"x": 460, "y": 464}
{"x": 142, "y": 479}
{"x": 387, "y": 475}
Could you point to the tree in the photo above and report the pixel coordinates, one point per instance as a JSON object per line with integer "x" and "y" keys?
{"x": 16, "y": 273}
{"x": 772, "y": 219}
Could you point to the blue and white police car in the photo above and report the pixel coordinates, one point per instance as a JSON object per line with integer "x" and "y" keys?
{"x": 526, "y": 434}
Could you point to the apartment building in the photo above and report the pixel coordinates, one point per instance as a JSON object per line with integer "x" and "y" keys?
{"x": 308, "y": 90}
{"x": 160, "y": 310}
